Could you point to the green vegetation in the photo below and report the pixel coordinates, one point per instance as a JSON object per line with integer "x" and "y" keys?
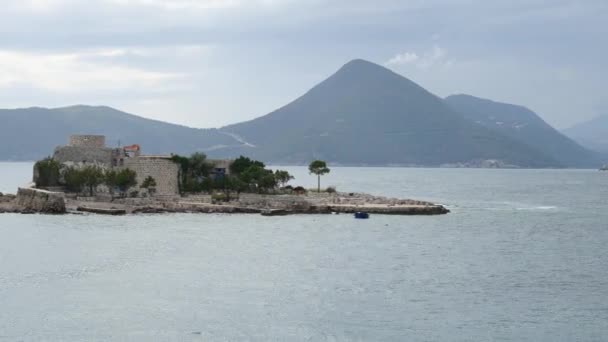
{"x": 150, "y": 184}
{"x": 241, "y": 164}
{"x": 72, "y": 179}
{"x": 91, "y": 176}
{"x": 122, "y": 180}
{"x": 282, "y": 177}
{"x": 194, "y": 173}
{"x": 319, "y": 168}
{"x": 229, "y": 184}
{"x": 258, "y": 179}
{"x": 47, "y": 172}
{"x": 246, "y": 175}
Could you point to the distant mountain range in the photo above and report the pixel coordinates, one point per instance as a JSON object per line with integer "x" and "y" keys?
{"x": 364, "y": 114}
{"x": 592, "y": 134}
{"x": 523, "y": 125}
{"x": 33, "y": 133}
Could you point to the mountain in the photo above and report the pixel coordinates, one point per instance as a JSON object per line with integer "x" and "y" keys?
{"x": 367, "y": 114}
{"x": 592, "y": 134}
{"x": 33, "y": 133}
{"x": 523, "y": 125}
{"x": 364, "y": 114}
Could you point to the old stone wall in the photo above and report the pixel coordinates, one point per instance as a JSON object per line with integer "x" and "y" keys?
{"x": 164, "y": 171}
{"x": 92, "y": 141}
{"x": 41, "y": 201}
{"x": 88, "y": 155}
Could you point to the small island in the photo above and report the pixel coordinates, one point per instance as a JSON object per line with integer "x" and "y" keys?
{"x": 85, "y": 176}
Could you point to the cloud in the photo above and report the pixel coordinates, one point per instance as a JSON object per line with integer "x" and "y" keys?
{"x": 434, "y": 57}
{"x": 403, "y": 58}
{"x": 137, "y": 53}
{"x": 179, "y": 4}
{"x": 75, "y": 72}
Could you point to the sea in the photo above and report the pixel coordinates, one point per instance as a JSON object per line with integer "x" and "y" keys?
{"x": 523, "y": 256}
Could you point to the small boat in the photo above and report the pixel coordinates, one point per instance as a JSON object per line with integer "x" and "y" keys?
{"x": 361, "y": 215}
{"x": 604, "y": 168}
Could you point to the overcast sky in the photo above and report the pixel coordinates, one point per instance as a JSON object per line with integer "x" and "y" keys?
{"x": 208, "y": 63}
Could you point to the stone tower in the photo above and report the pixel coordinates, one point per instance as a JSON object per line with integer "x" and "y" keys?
{"x": 91, "y": 141}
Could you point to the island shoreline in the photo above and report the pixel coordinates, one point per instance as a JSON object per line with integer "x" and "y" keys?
{"x": 31, "y": 200}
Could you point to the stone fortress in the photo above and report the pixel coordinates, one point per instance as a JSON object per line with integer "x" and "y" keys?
{"x": 92, "y": 150}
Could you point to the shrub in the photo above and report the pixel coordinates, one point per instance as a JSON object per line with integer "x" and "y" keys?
{"x": 299, "y": 190}
{"x": 148, "y": 183}
{"x": 219, "y": 197}
{"x": 331, "y": 189}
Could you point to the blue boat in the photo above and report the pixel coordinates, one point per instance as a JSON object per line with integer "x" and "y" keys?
{"x": 361, "y": 215}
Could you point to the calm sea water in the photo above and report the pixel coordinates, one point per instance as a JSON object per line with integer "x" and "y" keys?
{"x": 522, "y": 257}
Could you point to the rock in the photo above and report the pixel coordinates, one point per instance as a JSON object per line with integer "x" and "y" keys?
{"x": 275, "y": 212}
{"x": 40, "y": 201}
{"x": 102, "y": 211}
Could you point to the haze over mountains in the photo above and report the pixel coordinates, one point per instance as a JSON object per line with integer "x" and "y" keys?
{"x": 364, "y": 114}
{"x": 523, "y": 125}
{"x": 592, "y": 134}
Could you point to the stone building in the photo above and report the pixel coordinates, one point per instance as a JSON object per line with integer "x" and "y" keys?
{"x": 164, "y": 171}
{"x": 91, "y": 150}
{"x": 86, "y": 149}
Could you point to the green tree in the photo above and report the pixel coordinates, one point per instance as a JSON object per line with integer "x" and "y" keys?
{"x": 282, "y": 177}
{"x": 229, "y": 184}
{"x": 258, "y": 178}
{"x": 240, "y": 164}
{"x": 121, "y": 180}
{"x": 199, "y": 166}
{"x": 73, "y": 179}
{"x": 126, "y": 179}
{"x": 319, "y": 168}
{"x": 92, "y": 176}
{"x": 110, "y": 180}
{"x": 193, "y": 173}
{"x": 47, "y": 172}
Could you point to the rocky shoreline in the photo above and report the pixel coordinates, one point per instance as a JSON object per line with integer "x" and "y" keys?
{"x": 30, "y": 200}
